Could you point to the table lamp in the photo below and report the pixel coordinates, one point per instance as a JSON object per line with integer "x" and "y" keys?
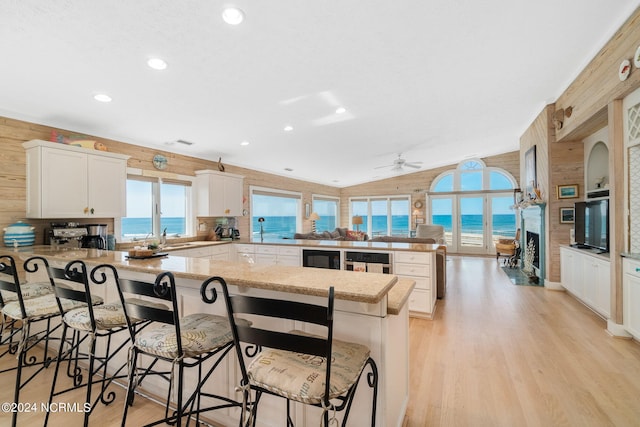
{"x": 357, "y": 221}
{"x": 314, "y": 217}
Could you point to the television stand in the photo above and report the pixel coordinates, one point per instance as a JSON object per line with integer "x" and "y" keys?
{"x": 580, "y": 246}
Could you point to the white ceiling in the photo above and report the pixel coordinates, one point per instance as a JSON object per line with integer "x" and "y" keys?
{"x": 438, "y": 80}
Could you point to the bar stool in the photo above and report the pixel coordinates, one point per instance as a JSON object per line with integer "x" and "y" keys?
{"x": 89, "y": 324}
{"x": 184, "y": 342}
{"x": 11, "y": 328}
{"x": 29, "y": 312}
{"x": 298, "y": 366}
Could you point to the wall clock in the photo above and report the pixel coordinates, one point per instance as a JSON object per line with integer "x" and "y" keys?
{"x": 159, "y": 161}
{"x": 417, "y": 204}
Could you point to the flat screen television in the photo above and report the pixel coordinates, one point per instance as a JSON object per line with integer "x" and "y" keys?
{"x": 592, "y": 224}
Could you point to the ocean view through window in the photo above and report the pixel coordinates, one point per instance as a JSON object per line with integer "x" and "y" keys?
{"x": 143, "y": 220}
{"x": 474, "y": 205}
{"x": 280, "y": 210}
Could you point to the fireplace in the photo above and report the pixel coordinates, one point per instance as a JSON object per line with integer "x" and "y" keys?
{"x": 535, "y": 238}
{"x": 533, "y": 224}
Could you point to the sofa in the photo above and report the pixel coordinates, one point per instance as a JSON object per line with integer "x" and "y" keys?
{"x": 337, "y": 234}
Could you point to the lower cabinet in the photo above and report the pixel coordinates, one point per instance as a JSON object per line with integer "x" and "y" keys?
{"x": 420, "y": 267}
{"x": 268, "y": 254}
{"x": 587, "y": 277}
{"x": 631, "y": 296}
{"x": 214, "y": 252}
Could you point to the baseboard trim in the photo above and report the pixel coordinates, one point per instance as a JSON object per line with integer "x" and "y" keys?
{"x": 553, "y": 286}
{"x": 617, "y": 330}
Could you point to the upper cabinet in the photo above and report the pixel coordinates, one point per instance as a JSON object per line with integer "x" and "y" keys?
{"x": 71, "y": 182}
{"x": 219, "y": 193}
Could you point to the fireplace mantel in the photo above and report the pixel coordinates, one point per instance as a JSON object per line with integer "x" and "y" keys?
{"x": 533, "y": 220}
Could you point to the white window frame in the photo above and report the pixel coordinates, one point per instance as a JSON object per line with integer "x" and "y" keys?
{"x": 484, "y": 192}
{"x": 388, "y": 199}
{"x": 276, "y": 193}
{"x": 315, "y": 197}
{"x": 157, "y": 179}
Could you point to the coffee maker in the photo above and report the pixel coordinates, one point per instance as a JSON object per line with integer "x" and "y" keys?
{"x": 96, "y": 237}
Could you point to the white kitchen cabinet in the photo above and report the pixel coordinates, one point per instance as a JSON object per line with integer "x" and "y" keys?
{"x": 71, "y": 182}
{"x": 586, "y": 276}
{"x": 277, "y": 255}
{"x": 245, "y": 253}
{"x": 420, "y": 267}
{"x": 213, "y": 252}
{"x": 219, "y": 193}
{"x": 631, "y": 296}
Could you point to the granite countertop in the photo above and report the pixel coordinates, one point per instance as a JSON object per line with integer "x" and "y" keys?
{"x": 337, "y": 244}
{"x": 631, "y": 255}
{"x": 368, "y": 288}
{"x": 349, "y": 244}
{"x": 399, "y": 294}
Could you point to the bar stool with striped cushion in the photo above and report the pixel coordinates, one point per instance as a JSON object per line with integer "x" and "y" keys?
{"x": 183, "y": 341}
{"x": 311, "y": 369}
{"x": 85, "y": 326}
{"x": 42, "y": 310}
{"x": 11, "y": 328}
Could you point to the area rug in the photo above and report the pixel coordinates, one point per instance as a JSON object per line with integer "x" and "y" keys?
{"x": 517, "y": 277}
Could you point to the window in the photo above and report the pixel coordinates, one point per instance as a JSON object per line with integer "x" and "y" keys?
{"x": 473, "y": 202}
{"x": 384, "y": 216}
{"x": 281, "y": 211}
{"x": 328, "y": 209}
{"x": 153, "y": 205}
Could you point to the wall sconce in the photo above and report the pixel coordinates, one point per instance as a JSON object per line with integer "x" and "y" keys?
{"x": 314, "y": 217}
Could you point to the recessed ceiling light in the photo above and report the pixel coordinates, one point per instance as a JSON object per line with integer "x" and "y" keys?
{"x": 157, "y": 63}
{"x": 244, "y": 143}
{"x": 232, "y": 15}
{"x": 102, "y": 97}
{"x": 288, "y": 128}
{"x": 341, "y": 110}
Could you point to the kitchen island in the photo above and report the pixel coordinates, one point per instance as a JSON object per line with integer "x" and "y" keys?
{"x": 364, "y": 303}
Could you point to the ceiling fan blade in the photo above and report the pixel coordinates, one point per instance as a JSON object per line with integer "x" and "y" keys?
{"x": 414, "y": 165}
{"x": 385, "y": 166}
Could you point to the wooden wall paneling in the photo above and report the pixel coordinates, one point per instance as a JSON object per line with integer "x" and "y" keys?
{"x": 566, "y": 161}
{"x": 598, "y": 84}
{"x": 13, "y": 180}
{"x": 540, "y": 133}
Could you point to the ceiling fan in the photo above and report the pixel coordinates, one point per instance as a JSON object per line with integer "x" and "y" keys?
{"x": 400, "y": 163}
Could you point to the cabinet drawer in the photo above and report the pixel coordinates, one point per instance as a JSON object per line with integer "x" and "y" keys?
{"x": 266, "y": 249}
{"x": 420, "y": 301}
{"x": 423, "y": 283}
{"x": 244, "y": 249}
{"x": 284, "y": 250}
{"x": 411, "y": 269}
{"x": 413, "y": 257}
{"x": 291, "y": 260}
{"x": 219, "y": 249}
{"x": 632, "y": 267}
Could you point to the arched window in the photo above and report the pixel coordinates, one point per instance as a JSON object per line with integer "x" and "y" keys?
{"x": 473, "y": 203}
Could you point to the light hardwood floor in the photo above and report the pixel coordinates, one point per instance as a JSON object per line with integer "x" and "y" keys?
{"x": 496, "y": 354}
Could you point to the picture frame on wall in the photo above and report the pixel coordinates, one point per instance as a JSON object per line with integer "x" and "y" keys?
{"x": 567, "y": 215}
{"x": 567, "y": 191}
{"x": 530, "y": 172}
